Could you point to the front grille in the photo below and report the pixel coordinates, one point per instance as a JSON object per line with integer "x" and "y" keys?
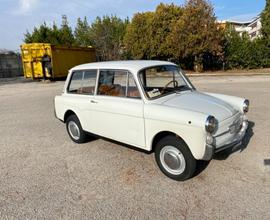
{"x": 228, "y": 129}
{"x": 236, "y": 126}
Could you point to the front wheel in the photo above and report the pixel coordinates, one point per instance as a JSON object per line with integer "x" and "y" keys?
{"x": 74, "y": 129}
{"x": 174, "y": 158}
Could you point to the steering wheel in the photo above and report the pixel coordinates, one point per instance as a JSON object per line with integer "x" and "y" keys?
{"x": 165, "y": 87}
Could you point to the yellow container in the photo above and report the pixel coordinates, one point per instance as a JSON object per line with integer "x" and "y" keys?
{"x": 43, "y": 60}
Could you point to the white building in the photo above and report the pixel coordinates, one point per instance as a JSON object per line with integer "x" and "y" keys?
{"x": 252, "y": 27}
{"x": 255, "y": 27}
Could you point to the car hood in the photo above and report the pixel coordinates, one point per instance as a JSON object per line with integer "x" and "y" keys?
{"x": 200, "y": 102}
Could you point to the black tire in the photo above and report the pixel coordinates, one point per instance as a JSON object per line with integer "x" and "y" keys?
{"x": 182, "y": 172}
{"x": 81, "y": 134}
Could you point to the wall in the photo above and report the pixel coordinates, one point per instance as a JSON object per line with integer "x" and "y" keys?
{"x": 10, "y": 65}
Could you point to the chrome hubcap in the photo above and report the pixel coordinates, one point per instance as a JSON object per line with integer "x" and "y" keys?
{"x": 172, "y": 160}
{"x": 74, "y": 130}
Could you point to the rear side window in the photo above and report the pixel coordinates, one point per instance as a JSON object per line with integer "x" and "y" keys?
{"x": 75, "y": 82}
{"x": 89, "y": 82}
{"x": 83, "y": 82}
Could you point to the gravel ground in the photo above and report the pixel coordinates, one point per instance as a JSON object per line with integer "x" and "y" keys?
{"x": 44, "y": 175}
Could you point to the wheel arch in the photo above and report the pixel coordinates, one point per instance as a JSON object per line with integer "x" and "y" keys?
{"x": 69, "y": 113}
{"x": 161, "y": 135}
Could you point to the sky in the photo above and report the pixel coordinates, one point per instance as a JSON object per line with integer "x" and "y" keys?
{"x": 17, "y": 16}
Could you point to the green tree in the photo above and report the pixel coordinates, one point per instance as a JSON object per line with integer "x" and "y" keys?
{"x": 138, "y": 37}
{"x": 243, "y": 53}
{"x": 196, "y": 33}
{"x": 107, "y": 34}
{"x": 53, "y": 35}
{"x": 82, "y": 32}
{"x": 65, "y": 33}
{"x": 231, "y": 46}
{"x": 147, "y": 34}
{"x": 265, "y": 19}
{"x": 264, "y": 42}
{"x": 162, "y": 23}
{"x": 41, "y": 34}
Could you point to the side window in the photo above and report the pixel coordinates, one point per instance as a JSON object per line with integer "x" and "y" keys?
{"x": 117, "y": 83}
{"x": 132, "y": 91}
{"x": 89, "y": 82}
{"x": 112, "y": 83}
{"x": 75, "y": 82}
{"x": 83, "y": 82}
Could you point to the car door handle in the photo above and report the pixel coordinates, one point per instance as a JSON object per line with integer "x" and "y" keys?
{"x": 93, "y": 101}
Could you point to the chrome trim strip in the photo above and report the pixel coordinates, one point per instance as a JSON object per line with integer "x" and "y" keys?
{"x": 225, "y": 132}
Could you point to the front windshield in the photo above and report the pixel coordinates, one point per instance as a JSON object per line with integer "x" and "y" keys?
{"x": 158, "y": 81}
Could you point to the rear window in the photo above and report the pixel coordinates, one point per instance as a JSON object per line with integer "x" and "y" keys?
{"x": 83, "y": 82}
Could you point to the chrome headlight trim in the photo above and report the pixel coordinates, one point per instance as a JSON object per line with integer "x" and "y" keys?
{"x": 246, "y": 106}
{"x": 211, "y": 124}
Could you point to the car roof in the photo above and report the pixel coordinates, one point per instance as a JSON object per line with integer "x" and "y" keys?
{"x": 131, "y": 65}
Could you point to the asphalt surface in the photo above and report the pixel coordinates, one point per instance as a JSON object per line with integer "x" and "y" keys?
{"x": 44, "y": 175}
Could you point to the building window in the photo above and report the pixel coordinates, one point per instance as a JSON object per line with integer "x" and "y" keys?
{"x": 254, "y": 25}
{"x": 253, "y": 34}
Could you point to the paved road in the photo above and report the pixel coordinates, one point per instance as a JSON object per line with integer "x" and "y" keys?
{"x": 46, "y": 176}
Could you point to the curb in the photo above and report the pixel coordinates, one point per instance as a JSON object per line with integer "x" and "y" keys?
{"x": 226, "y": 74}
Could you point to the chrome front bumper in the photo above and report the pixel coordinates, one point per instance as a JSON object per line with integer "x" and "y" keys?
{"x": 210, "y": 150}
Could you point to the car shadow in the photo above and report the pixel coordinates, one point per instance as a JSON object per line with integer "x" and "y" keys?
{"x": 93, "y": 137}
{"x": 201, "y": 165}
{"x": 223, "y": 155}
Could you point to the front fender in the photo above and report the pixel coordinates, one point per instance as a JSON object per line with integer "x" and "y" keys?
{"x": 190, "y": 126}
{"x": 235, "y": 101}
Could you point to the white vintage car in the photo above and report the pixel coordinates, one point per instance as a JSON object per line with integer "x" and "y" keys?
{"x": 151, "y": 105}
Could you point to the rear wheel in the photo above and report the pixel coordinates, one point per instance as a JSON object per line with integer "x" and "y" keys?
{"x": 74, "y": 129}
{"x": 174, "y": 158}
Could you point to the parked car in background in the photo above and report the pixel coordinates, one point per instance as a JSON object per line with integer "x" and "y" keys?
{"x": 151, "y": 105}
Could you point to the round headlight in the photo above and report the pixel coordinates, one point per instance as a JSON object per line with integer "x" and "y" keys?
{"x": 246, "y": 106}
{"x": 210, "y": 124}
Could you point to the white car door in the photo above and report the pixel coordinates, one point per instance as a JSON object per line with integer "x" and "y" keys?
{"x": 80, "y": 92}
{"x": 118, "y": 108}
